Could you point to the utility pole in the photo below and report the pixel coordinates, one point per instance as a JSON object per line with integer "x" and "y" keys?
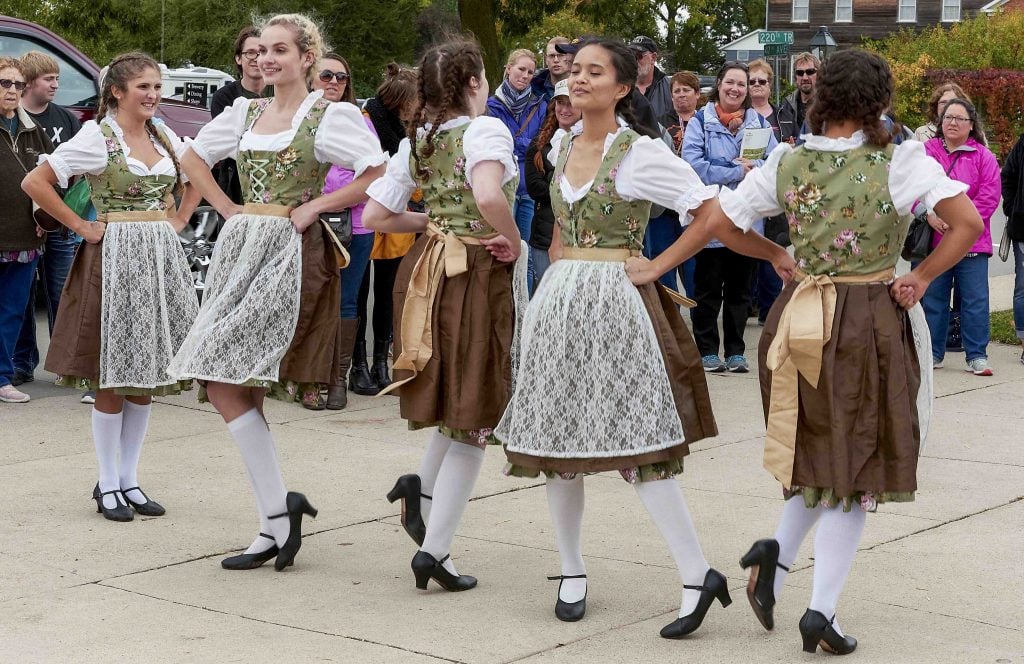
{"x": 163, "y": 9}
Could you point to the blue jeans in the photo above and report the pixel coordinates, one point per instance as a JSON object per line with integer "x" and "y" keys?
{"x": 541, "y": 263}
{"x": 352, "y": 276}
{"x": 972, "y": 276}
{"x": 522, "y": 212}
{"x": 54, "y": 266}
{"x": 15, "y": 287}
{"x": 661, "y": 233}
{"x": 1018, "y": 288}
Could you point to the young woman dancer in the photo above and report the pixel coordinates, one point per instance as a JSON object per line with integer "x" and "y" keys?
{"x": 129, "y": 301}
{"x": 620, "y": 358}
{"x": 840, "y": 398}
{"x": 453, "y": 293}
{"x": 270, "y": 313}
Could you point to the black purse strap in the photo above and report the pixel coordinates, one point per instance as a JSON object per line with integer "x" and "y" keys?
{"x": 956, "y": 157}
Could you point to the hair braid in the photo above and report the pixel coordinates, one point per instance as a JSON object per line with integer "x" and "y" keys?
{"x": 547, "y": 130}
{"x": 166, "y": 144}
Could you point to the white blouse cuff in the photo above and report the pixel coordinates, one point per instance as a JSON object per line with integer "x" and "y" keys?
{"x": 389, "y": 193}
{"x": 693, "y": 199}
{"x": 59, "y": 166}
{"x": 506, "y": 159}
{"x": 369, "y": 162}
{"x": 946, "y": 188}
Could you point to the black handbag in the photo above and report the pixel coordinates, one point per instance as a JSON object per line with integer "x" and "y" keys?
{"x": 341, "y": 224}
{"x": 918, "y": 244}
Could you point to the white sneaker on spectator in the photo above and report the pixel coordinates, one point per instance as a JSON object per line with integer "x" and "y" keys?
{"x": 11, "y": 394}
{"x": 89, "y": 397}
{"x": 979, "y": 366}
{"x": 936, "y": 364}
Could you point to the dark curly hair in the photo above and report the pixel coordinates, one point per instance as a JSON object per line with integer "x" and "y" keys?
{"x": 855, "y": 85}
{"x": 445, "y": 71}
{"x": 624, "y": 62}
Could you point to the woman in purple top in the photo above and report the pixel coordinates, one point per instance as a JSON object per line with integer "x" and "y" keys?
{"x": 334, "y": 77}
{"x": 959, "y": 146}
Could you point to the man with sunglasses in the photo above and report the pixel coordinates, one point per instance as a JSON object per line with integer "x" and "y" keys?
{"x": 794, "y": 107}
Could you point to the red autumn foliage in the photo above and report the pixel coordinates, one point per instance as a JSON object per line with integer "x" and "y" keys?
{"x": 998, "y": 94}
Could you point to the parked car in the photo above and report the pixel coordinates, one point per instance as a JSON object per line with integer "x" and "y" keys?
{"x": 79, "y": 76}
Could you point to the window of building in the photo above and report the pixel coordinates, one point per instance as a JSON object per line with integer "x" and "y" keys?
{"x": 907, "y": 11}
{"x": 950, "y": 10}
{"x": 743, "y": 56}
{"x": 844, "y": 11}
{"x": 800, "y": 11}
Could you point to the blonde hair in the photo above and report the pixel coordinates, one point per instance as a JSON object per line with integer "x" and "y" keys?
{"x": 308, "y": 37}
{"x": 15, "y": 63}
{"x": 763, "y": 65}
{"x": 514, "y": 56}
{"x": 36, "y": 63}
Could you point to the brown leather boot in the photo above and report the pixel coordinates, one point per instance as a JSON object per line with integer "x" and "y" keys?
{"x": 337, "y": 394}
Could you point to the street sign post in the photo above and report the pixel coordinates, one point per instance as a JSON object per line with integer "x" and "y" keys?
{"x": 775, "y": 37}
{"x": 776, "y": 49}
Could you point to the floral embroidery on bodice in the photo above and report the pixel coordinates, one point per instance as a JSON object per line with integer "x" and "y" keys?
{"x": 447, "y": 194}
{"x": 602, "y": 218}
{"x": 290, "y": 176}
{"x": 841, "y": 216}
{"x": 117, "y": 189}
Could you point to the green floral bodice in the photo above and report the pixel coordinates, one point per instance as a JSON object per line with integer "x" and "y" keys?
{"x": 841, "y": 216}
{"x": 447, "y": 195}
{"x": 117, "y": 189}
{"x": 602, "y": 218}
{"x": 291, "y": 176}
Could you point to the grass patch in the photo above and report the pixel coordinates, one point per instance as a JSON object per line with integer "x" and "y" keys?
{"x": 1003, "y": 329}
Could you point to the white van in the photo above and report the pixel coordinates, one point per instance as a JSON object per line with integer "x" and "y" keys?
{"x": 193, "y": 85}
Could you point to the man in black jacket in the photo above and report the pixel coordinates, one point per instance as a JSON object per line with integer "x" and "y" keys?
{"x": 1013, "y": 207}
{"x": 652, "y": 83}
{"x": 793, "y": 109}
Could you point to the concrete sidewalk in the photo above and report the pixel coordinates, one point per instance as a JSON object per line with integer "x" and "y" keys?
{"x": 936, "y": 580}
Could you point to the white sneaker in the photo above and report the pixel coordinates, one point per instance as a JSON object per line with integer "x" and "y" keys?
{"x": 979, "y": 367}
{"x": 11, "y": 394}
{"x": 937, "y": 364}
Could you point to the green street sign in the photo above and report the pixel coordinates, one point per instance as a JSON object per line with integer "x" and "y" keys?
{"x": 776, "y": 49}
{"x": 775, "y": 37}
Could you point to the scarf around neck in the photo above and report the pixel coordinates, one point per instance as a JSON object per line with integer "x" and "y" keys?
{"x": 732, "y": 121}
{"x": 514, "y": 99}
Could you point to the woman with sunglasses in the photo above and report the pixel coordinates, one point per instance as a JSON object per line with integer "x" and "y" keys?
{"x": 20, "y": 242}
{"x": 334, "y": 77}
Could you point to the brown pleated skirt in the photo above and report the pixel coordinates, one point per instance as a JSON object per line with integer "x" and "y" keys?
{"x": 75, "y": 344}
{"x": 467, "y": 382}
{"x": 857, "y": 433}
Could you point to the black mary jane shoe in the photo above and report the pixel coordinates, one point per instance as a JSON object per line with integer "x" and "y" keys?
{"x": 408, "y": 489}
{"x": 148, "y": 508}
{"x": 297, "y": 505}
{"x": 816, "y": 630}
{"x": 426, "y": 567}
{"x": 120, "y": 511}
{"x": 762, "y": 560}
{"x": 251, "y": 560}
{"x": 569, "y": 611}
{"x": 714, "y": 587}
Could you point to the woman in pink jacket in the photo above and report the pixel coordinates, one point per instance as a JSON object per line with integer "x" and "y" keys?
{"x": 960, "y": 147}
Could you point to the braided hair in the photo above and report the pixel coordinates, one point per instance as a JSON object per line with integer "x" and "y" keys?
{"x": 119, "y": 73}
{"x": 445, "y": 72}
{"x": 854, "y": 85}
{"x": 547, "y": 130}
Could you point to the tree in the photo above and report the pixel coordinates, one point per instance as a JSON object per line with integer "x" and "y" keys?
{"x": 478, "y": 19}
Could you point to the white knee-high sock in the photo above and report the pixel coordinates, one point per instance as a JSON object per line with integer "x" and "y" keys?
{"x": 665, "y": 503}
{"x": 565, "y": 502}
{"x": 454, "y": 484}
{"x": 252, "y": 435}
{"x": 430, "y": 464}
{"x": 106, "y": 436}
{"x": 134, "y": 423}
{"x": 835, "y": 545}
{"x": 796, "y": 521}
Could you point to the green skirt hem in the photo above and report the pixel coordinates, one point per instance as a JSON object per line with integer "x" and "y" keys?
{"x": 866, "y": 500}
{"x": 80, "y": 383}
{"x": 651, "y": 472}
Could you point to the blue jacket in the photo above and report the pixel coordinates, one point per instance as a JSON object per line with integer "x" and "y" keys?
{"x": 710, "y": 148}
{"x": 523, "y": 130}
{"x": 542, "y": 85}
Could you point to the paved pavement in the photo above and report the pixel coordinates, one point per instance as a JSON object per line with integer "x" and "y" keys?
{"x": 937, "y": 580}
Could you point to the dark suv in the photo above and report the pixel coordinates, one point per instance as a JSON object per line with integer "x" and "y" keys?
{"x": 79, "y": 76}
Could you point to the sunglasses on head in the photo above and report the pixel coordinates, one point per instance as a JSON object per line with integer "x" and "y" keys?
{"x": 805, "y": 72}
{"x": 326, "y": 76}
{"x": 6, "y": 83}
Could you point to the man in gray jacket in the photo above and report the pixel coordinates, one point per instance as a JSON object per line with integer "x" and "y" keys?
{"x": 652, "y": 83}
{"x": 793, "y": 108}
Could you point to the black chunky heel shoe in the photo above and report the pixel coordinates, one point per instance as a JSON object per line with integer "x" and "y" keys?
{"x": 816, "y": 630}
{"x": 714, "y": 587}
{"x": 147, "y": 508}
{"x": 250, "y": 560}
{"x": 569, "y": 611}
{"x": 408, "y": 489}
{"x": 297, "y": 506}
{"x": 120, "y": 511}
{"x": 762, "y": 560}
{"x": 426, "y": 567}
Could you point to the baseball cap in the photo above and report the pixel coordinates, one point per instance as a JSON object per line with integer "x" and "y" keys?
{"x": 643, "y": 44}
{"x": 575, "y": 45}
{"x": 561, "y": 88}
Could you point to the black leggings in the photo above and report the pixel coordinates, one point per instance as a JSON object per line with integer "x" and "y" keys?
{"x": 384, "y": 271}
